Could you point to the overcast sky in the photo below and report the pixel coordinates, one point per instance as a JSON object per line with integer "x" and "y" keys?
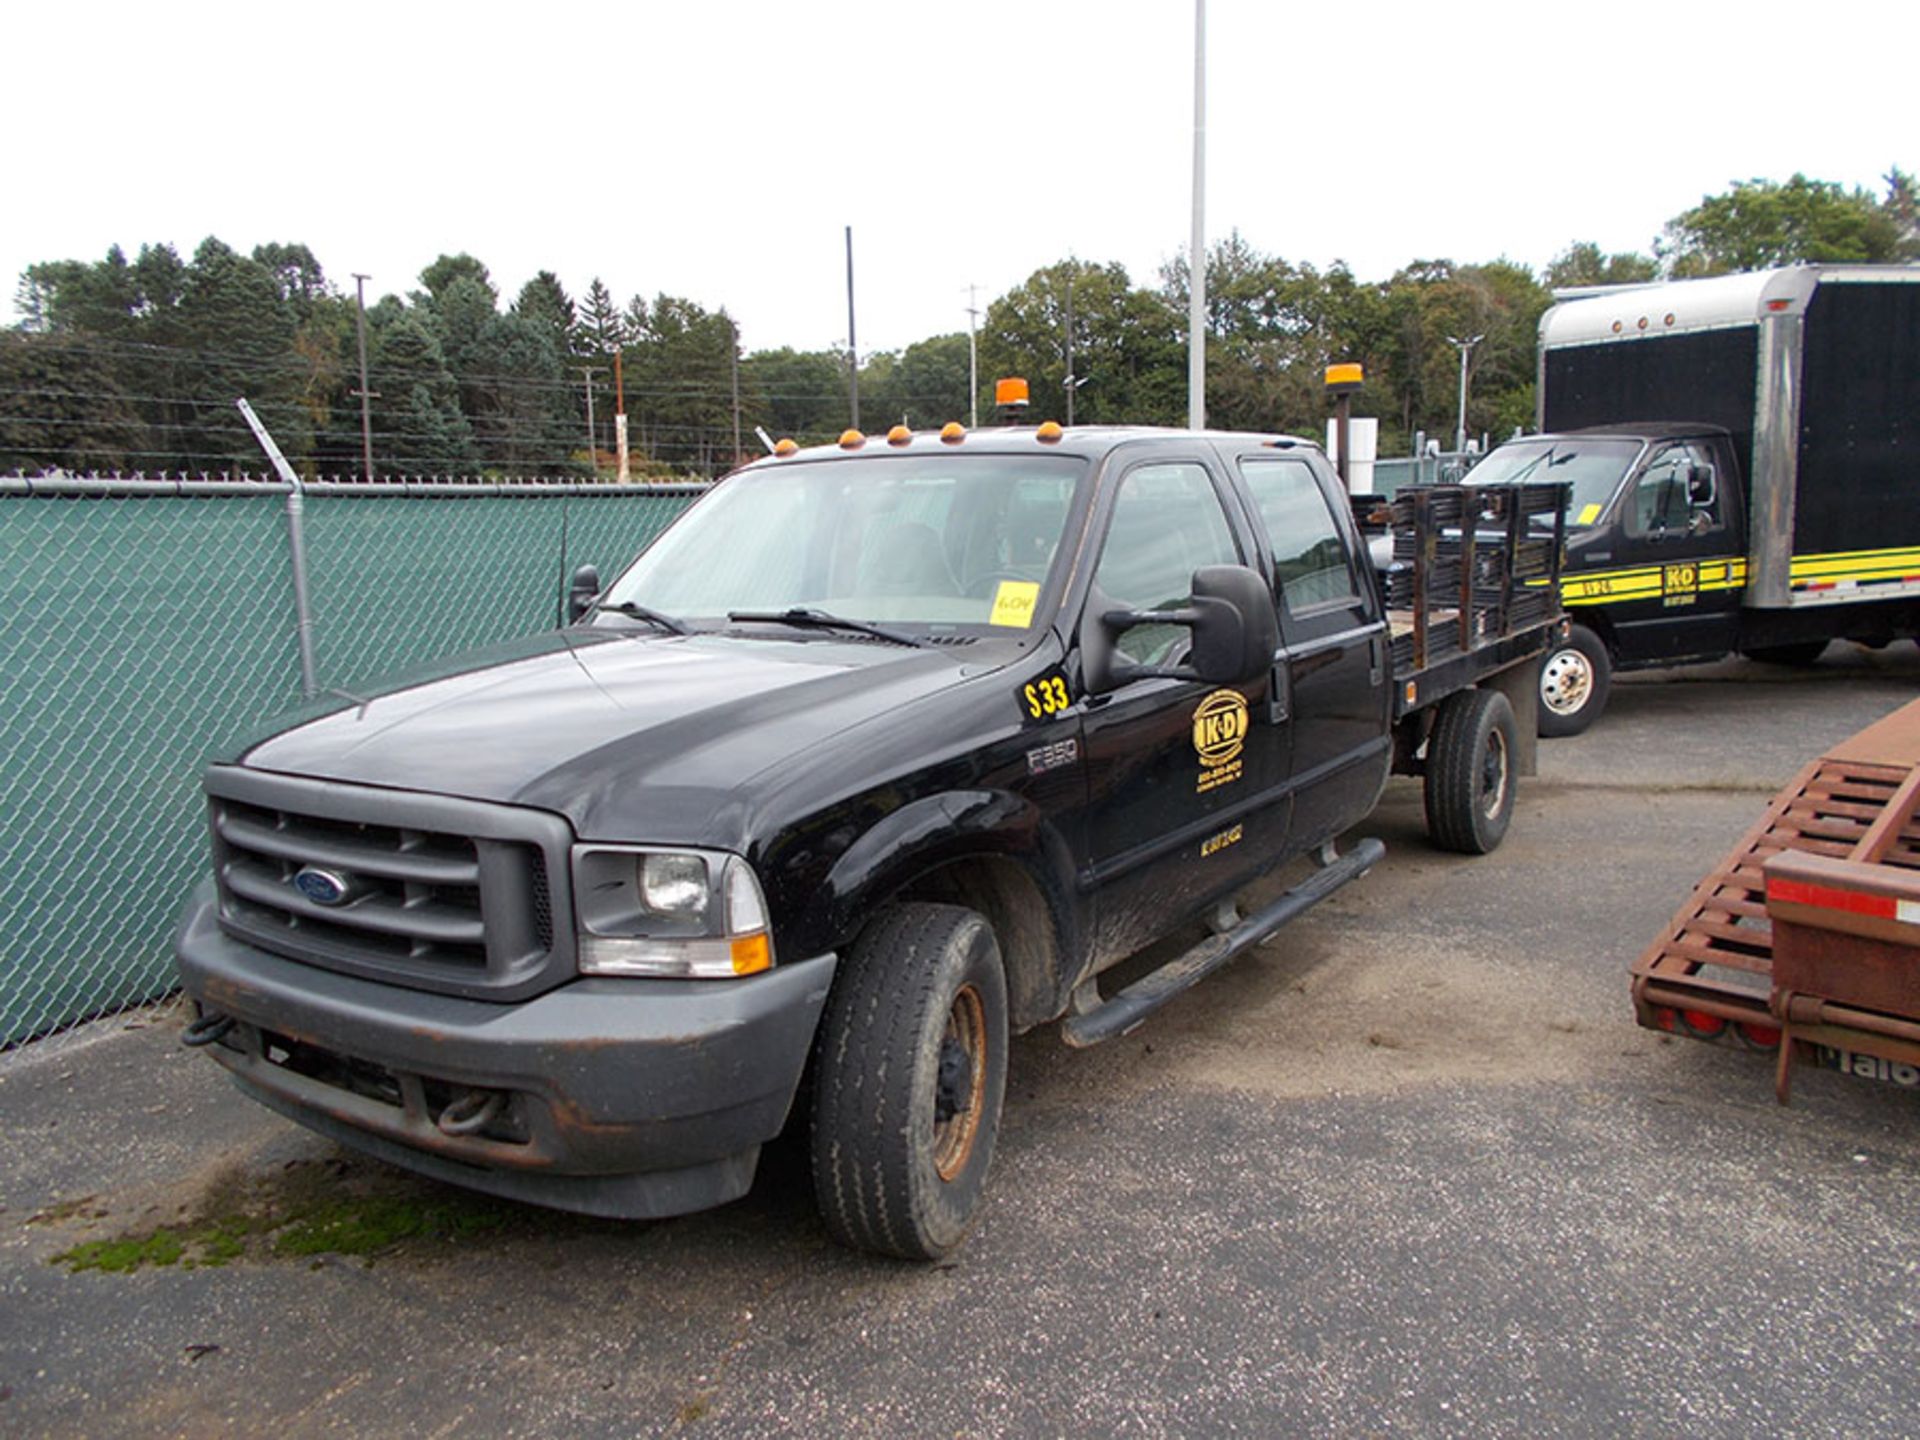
{"x": 715, "y": 150}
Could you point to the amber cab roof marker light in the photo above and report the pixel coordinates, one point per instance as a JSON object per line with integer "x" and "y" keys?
{"x": 900, "y": 435}
{"x": 851, "y": 439}
{"x": 953, "y": 432}
{"x": 786, "y": 446}
{"x": 1049, "y": 432}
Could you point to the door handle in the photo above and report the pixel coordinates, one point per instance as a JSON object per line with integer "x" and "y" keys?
{"x": 1279, "y": 694}
{"x": 1375, "y": 665}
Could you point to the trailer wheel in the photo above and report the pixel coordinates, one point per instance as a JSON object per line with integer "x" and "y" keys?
{"x": 1575, "y": 679}
{"x": 911, "y": 1067}
{"x": 1470, "y": 772}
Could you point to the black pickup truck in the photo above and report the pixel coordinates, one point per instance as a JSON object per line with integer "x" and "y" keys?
{"x": 880, "y": 752}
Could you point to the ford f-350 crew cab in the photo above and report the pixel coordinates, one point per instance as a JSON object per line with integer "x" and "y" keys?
{"x": 880, "y": 752}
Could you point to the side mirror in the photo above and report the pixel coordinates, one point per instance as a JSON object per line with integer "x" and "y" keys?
{"x": 1238, "y": 629}
{"x": 1235, "y": 632}
{"x": 581, "y": 590}
{"x": 1700, "y": 486}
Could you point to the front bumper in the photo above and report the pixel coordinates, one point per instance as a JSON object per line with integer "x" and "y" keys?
{"x": 632, "y": 1098}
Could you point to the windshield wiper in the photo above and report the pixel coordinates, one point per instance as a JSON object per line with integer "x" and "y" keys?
{"x": 653, "y": 617}
{"x": 805, "y": 617}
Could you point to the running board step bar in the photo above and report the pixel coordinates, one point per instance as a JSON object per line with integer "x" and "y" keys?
{"x": 1125, "y": 1011}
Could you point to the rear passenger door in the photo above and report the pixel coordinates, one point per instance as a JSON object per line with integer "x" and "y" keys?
{"x": 1331, "y": 674}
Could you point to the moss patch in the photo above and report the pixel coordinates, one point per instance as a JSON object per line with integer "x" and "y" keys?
{"x": 311, "y": 1209}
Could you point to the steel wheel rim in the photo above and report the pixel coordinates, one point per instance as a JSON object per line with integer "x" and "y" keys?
{"x": 1566, "y": 681}
{"x": 960, "y": 1084}
{"x": 1494, "y": 775}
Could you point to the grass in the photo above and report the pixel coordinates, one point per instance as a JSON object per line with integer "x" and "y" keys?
{"x": 307, "y": 1212}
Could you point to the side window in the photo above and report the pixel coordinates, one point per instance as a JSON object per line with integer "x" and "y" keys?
{"x": 1678, "y": 491}
{"x": 1167, "y": 523}
{"x": 1310, "y": 562}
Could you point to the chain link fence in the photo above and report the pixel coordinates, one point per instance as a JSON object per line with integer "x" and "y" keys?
{"x": 146, "y": 622}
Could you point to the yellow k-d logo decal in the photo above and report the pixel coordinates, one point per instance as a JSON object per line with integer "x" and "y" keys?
{"x": 1220, "y": 727}
{"x": 1681, "y": 579}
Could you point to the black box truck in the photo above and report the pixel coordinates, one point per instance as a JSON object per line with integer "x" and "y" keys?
{"x": 1744, "y": 453}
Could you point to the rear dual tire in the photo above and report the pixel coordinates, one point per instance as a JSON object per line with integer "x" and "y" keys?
{"x": 1471, "y": 773}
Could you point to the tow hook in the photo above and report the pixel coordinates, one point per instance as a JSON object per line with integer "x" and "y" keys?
{"x": 470, "y": 1112}
{"x": 211, "y": 1026}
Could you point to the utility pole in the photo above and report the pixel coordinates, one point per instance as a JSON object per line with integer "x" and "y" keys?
{"x": 1072, "y": 383}
{"x": 1197, "y": 251}
{"x": 619, "y": 413}
{"x": 853, "y": 350}
{"x": 1460, "y": 430}
{"x": 734, "y": 356}
{"x": 593, "y": 461}
{"x": 973, "y": 356}
{"x": 360, "y": 325}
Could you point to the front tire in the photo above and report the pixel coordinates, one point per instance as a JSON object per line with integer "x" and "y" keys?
{"x": 910, "y": 1073}
{"x": 1575, "y": 679}
{"x": 1471, "y": 772}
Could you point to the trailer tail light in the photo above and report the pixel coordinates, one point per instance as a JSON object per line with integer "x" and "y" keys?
{"x": 1852, "y": 902}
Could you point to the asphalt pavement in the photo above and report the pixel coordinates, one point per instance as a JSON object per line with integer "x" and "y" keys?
{"x": 1409, "y": 1168}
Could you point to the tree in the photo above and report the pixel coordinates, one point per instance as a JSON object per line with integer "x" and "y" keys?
{"x": 680, "y": 383}
{"x": 61, "y": 407}
{"x": 1582, "y": 263}
{"x": 923, "y": 386}
{"x": 600, "y": 329}
{"x": 418, "y": 424}
{"x": 1760, "y": 223}
{"x": 1129, "y": 346}
{"x": 544, "y": 303}
{"x": 801, "y": 393}
{"x": 449, "y": 268}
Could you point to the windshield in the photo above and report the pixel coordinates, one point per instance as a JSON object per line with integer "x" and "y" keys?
{"x": 941, "y": 540}
{"x": 1594, "y": 468}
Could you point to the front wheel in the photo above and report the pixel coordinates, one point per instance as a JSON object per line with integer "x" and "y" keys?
{"x": 1470, "y": 772}
{"x": 911, "y": 1069}
{"x": 1574, "y": 681}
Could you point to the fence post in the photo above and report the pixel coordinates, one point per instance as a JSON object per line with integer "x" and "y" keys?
{"x": 297, "y": 544}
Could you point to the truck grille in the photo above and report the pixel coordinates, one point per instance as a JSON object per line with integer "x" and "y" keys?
{"x": 420, "y": 890}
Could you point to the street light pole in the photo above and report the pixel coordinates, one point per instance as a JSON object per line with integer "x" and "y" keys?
{"x": 1460, "y": 429}
{"x": 973, "y": 357}
{"x": 1197, "y": 252}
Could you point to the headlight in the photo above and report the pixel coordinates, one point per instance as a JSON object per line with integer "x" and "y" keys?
{"x": 684, "y": 914}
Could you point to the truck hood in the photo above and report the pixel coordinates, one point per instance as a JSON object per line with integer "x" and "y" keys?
{"x": 593, "y": 725}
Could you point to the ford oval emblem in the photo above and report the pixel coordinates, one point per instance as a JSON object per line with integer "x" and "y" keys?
{"x": 322, "y": 887}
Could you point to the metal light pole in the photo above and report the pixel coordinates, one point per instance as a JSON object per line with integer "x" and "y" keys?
{"x": 973, "y": 357}
{"x": 1197, "y": 252}
{"x": 1072, "y": 383}
{"x": 733, "y": 355}
{"x": 853, "y": 350}
{"x": 360, "y": 325}
{"x": 1460, "y": 429}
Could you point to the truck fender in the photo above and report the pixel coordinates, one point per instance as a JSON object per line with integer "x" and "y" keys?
{"x": 940, "y": 831}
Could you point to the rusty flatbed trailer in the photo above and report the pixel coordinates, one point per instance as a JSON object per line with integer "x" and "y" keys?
{"x": 1806, "y": 938}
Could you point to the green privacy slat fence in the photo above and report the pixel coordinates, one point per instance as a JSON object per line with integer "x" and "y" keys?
{"x": 143, "y": 623}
